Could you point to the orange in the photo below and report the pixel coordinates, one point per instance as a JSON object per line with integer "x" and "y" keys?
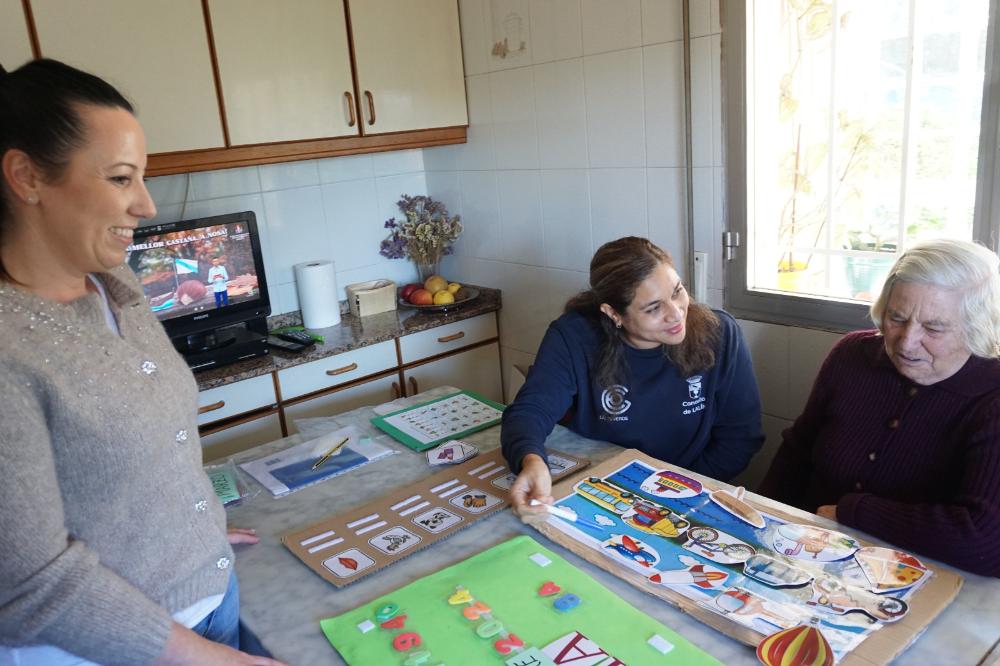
{"x": 443, "y": 297}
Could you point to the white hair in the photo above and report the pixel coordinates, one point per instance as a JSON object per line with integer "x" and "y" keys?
{"x": 969, "y": 269}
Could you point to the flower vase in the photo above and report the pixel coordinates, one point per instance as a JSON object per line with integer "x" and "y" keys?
{"x": 426, "y": 269}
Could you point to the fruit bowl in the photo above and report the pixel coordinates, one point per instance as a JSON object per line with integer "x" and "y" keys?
{"x": 462, "y": 297}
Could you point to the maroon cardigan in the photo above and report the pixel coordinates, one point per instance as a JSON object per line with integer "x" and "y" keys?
{"x": 917, "y": 466}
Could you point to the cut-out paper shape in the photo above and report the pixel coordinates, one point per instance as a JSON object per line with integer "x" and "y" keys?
{"x": 655, "y": 519}
{"x": 815, "y": 544}
{"x": 559, "y": 464}
{"x": 451, "y": 452}
{"x": 660, "y": 644}
{"x": 548, "y": 588}
{"x": 575, "y": 649}
{"x": 718, "y": 546}
{"x": 540, "y": 560}
{"x": 601, "y": 519}
{"x": 532, "y": 656}
{"x": 701, "y": 575}
{"x": 436, "y": 520}
{"x": 475, "y": 501}
{"x": 734, "y": 503}
{"x": 888, "y": 570}
{"x": 606, "y": 495}
{"x": 395, "y": 540}
{"x": 566, "y": 603}
{"x": 366, "y": 626}
{"x": 504, "y": 482}
{"x": 833, "y": 596}
{"x": 670, "y": 485}
{"x": 775, "y": 573}
{"x": 804, "y": 645}
{"x": 348, "y": 563}
{"x": 631, "y": 550}
{"x": 746, "y": 606}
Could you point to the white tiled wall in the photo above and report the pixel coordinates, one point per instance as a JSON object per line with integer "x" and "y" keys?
{"x": 577, "y": 140}
{"x": 318, "y": 209}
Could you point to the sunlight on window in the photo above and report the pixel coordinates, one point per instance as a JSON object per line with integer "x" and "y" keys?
{"x": 863, "y": 134}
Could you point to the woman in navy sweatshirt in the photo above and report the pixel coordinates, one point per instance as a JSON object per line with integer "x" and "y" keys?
{"x": 635, "y": 362}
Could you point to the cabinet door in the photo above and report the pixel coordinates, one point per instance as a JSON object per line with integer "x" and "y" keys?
{"x": 284, "y": 69}
{"x": 409, "y": 63}
{"x": 477, "y": 370}
{"x": 442, "y": 339}
{"x": 370, "y": 393}
{"x": 339, "y": 369}
{"x": 225, "y": 443}
{"x": 233, "y": 399}
{"x": 15, "y": 46}
{"x": 154, "y": 51}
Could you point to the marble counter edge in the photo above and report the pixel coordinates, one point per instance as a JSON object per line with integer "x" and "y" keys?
{"x": 349, "y": 335}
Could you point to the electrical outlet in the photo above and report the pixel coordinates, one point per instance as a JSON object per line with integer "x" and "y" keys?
{"x": 700, "y": 290}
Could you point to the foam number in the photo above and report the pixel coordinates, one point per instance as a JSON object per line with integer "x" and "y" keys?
{"x": 406, "y": 642}
{"x": 386, "y": 612}
{"x": 474, "y": 611}
{"x": 461, "y": 596}
{"x": 507, "y": 645}
{"x": 566, "y": 602}
{"x": 489, "y": 629}
{"x": 418, "y": 658}
{"x": 397, "y": 622}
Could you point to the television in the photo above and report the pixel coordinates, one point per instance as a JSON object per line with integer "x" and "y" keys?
{"x": 201, "y": 275}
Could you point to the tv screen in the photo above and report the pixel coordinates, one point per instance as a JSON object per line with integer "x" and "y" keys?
{"x": 203, "y": 273}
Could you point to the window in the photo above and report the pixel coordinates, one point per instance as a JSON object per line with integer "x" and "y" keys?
{"x": 854, "y": 129}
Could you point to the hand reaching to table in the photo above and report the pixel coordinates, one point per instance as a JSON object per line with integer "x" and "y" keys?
{"x": 533, "y": 483}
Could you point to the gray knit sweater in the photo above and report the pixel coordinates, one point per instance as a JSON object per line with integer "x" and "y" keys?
{"x": 108, "y": 524}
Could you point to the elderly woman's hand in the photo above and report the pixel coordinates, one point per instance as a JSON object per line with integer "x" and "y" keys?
{"x": 533, "y": 483}
{"x": 828, "y": 511}
{"x": 241, "y": 535}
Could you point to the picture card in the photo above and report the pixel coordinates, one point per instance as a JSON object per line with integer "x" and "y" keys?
{"x": 451, "y": 452}
{"x": 449, "y": 417}
{"x": 346, "y": 547}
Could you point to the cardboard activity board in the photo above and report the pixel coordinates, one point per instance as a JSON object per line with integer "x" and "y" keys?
{"x": 352, "y": 545}
{"x": 516, "y": 604}
{"x": 748, "y": 572}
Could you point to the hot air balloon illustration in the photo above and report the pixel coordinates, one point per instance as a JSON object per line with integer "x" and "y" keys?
{"x": 804, "y": 645}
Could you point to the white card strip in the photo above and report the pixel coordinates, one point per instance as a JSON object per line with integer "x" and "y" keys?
{"x": 375, "y": 526}
{"x": 660, "y": 644}
{"x": 318, "y": 537}
{"x": 322, "y": 546}
{"x": 418, "y": 507}
{"x": 444, "y": 485}
{"x": 409, "y": 500}
{"x": 477, "y": 470}
{"x": 451, "y": 492}
{"x": 362, "y": 521}
{"x": 366, "y": 626}
{"x": 540, "y": 560}
{"x": 491, "y": 472}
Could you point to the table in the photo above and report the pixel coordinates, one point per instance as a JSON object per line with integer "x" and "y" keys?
{"x": 283, "y": 601}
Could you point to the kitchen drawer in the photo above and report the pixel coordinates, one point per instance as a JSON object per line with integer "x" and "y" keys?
{"x": 335, "y": 370}
{"x": 446, "y": 338}
{"x": 221, "y": 403}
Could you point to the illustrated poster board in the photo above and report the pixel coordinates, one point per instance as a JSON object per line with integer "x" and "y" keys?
{"x": 346, "y": 547}
{"x": 682, "y": 532}
{"x": 520, "y": 582}
{"x": 429, "y": 424}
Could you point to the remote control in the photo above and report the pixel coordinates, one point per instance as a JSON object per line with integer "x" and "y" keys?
{"x": 300, "y": 337}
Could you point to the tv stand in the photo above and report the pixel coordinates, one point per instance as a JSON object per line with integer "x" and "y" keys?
{"x": 212, "y": 348}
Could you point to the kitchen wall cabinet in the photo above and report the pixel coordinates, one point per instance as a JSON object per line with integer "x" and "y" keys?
{"x": 409, "y": 64}
{"x": 155, "y": 51}
{"x": 284, "y": 69}
{"x": 15, "y": 44}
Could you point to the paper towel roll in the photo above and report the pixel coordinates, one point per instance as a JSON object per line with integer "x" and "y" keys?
{"x": 316, "y": 284}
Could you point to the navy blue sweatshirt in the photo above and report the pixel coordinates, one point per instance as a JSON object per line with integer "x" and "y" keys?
{"x": 708, "y": 422}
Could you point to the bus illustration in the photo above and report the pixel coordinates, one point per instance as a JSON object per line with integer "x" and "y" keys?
{"x": 606, "y": 495}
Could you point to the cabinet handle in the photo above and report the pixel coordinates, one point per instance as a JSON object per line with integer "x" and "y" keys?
{"x": 340, "y": 371}
{"x": 350, "y": 109}
{"x": 212, "y": 407}
{"x": 413, "y": 383}
{"x": 371, "y": 107}
{"x": 452, "y": 337}
{"x": 395, "y": 390}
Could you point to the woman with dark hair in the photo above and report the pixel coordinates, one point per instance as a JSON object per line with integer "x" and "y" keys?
{"x": 113, "y": 545}
{"x": 901, "y": 433}
{"x": 635, "y": 362}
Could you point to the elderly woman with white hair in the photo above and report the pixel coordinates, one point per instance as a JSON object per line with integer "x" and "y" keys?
{"x": 900, "y": 436}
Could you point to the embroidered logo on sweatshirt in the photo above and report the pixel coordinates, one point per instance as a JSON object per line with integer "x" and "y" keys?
{"x": 614, "y": 403}
{"x": 697, "y": 400}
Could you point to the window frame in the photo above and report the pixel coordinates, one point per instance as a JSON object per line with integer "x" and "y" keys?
{"x": 815, "y": 312}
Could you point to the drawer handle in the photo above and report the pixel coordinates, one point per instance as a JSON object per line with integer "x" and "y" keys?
{"x": 395, "y": 390}
{"x": 371, "y": 107}
{"x": 452, "y": 337}
{"x": 350, "y": 108}
{"x": 413, "y": 383}
{"x": 212, "y": 407}
{"x": 340, "y": 371}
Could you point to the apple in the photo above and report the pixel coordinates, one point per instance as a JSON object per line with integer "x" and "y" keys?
{"x": 409, "y": 289}
{"x": 421, "y": 297}
{"x": 435, "y": 283}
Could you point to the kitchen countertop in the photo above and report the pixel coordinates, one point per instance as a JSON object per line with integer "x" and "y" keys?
{"x": 352, "y": 333}
{"x": 283, "y": 601}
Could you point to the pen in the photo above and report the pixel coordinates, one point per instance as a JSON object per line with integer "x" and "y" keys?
{"x": 560, "y": 512}
{"x": 326, "y": 456}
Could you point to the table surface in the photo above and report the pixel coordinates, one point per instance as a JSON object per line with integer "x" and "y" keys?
{"x": 283, "y": 601}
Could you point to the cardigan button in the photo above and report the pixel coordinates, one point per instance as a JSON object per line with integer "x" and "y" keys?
{"x": 201, "y": 505}
{"x": 871, "y": 456}
{"x": 181, "y": 436}
{"x": 857, "y": 486}
{"x": 222, "y": 563}
{"x": 893, "y": 424}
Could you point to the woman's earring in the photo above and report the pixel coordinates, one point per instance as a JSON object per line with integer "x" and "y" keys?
{"x": 618, "y": 324}
{"x": 32, "y": 199}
